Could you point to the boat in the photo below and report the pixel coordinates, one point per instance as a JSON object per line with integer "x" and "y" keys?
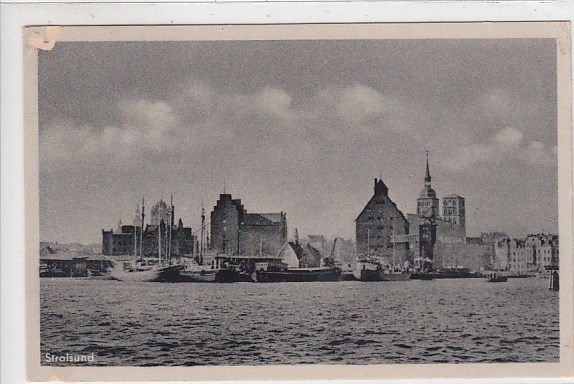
{"x": 422, "y": 269}
{"x": 494, "y": 277}
{"x": 455, "y": 273}
{"x": 418, "y": 275}
{"x": 145, "y": 271}
{"x": 217, "y": 272}
{"x": 297, "y": 275}
{"x": 149, "y": 269}
{"x": 372, "y": 270}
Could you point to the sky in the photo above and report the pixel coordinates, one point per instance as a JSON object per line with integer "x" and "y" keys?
{"x": 296, "y": 126}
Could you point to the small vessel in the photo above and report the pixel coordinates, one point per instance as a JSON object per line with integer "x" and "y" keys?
{"x": 455, "y": 273}
{"x": 285, "y": 275}
{"x": 418, "y": 275}
{"x": 494, "y": 277}
{"x": 149, "y": 269}
{"x": 376, "y": 269}
{"x": 422, "y": 269}
{"x": 371, "y": 270}
{"x": 145, "y": 271}
{"x": 217, "y": 272}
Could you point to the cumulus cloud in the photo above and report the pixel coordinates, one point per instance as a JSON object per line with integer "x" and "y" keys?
{"x": 507, "y": 144}
{"x": 508, "y": 136}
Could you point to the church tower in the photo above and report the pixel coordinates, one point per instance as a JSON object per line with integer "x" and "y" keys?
{"x": 427, "y": 210}
{"x": 427, "y": 203}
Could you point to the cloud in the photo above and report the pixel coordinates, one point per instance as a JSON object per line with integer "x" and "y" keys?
{"x": 508, "y": 136}
{"x": 505, "y": 145}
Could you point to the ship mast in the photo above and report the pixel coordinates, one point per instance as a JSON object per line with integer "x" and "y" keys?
{"x": 170, "y": 229}
{"x": 159, "y": 241}
{"x": 202, "y": 234}
{"x": 141, "y": 230}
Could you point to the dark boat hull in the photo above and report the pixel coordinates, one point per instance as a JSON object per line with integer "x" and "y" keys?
{"x": 456, "y": 275}
{"x": 501, "y": 279}
{"x": 214, "y": 276}
{"x": 380, "y": 275}
{"x": 422, "y": 276}
{"x": 298, "y": 275}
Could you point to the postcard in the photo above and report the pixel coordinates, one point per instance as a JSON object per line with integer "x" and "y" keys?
{"x": 298, "y": 202}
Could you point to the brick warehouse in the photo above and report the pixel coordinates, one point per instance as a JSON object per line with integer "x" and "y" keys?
{"x": 234, "y": 231}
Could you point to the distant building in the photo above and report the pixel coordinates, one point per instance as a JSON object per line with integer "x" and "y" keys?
{"x": 377, "y": 223}
{"x": 161, "y": 237}
{"x": 234, "y": 231}
{"x": 526, "y": 256}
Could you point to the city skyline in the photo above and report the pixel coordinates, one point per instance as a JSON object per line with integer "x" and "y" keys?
{"x": 297, "y": 126}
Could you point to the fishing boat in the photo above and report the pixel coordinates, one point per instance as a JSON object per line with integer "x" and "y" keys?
{"x": 216, "y": 272}
{"x": 145, "y": 271}
{"x": 149, "y": 269}
{"x": 289, "y": 275}
{"x": 422, "y": 269}
{"x": 458, "y": 272}
{"x": 494, "y": 277}
{"x": 374, "y": 270}
{"x": 418, "y": 275}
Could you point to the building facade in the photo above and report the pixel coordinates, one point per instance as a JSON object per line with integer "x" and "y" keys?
{"x": 379, "y": 221}
{"x": 165, "y": 238}
{"x": 234, "y": 231}
{"x": 526, "y": 256}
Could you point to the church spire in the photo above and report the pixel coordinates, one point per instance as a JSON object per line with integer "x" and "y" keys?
{"x": 428, "y": 176}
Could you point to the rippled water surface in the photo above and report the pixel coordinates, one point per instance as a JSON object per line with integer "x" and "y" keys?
{"x": 454, "y": 321}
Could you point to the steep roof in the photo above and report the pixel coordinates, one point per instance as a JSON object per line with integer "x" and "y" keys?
{"x": 391, "y": 201}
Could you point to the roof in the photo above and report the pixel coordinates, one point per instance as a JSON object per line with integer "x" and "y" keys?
{"x": 427, "y": 192}
{"x": 261, "y": 218}
{"x": 453, "y": 196}
{"x": 273, "y": 217}
{"x": 391, "y": 201}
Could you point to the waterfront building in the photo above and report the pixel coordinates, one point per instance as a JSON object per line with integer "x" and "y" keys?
{"x": 234, "y": 231}
{"x": 175, "y": 239}
{"x": 377, "y": 223}
{"x": 526, "y": 256}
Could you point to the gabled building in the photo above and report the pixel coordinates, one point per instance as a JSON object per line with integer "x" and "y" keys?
{"x": 236, "y": 232}
{"x": 377, "y": 223}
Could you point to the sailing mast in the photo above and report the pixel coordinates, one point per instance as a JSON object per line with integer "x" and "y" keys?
{"x": 170, "y": 229}
{"x": 202, "y": 234}
{"x": 393, "y": 244}
{"x": 159, "y": 241}
{"x": 141, "y": 230}
{"x": 136, "y": 239}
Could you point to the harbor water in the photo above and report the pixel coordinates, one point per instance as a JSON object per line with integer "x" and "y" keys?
{"x": 159, "y": 324}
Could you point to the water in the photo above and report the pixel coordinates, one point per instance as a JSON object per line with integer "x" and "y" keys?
{"x": 441, "y": 321}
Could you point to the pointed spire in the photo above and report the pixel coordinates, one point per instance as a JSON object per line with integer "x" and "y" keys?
{"x": 427, "y": 176}
{"x": 224, "y": 186}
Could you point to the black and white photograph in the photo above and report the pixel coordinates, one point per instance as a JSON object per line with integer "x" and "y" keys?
{"x": 300, "y": 195}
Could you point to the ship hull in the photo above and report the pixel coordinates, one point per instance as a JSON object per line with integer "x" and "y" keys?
{"x": 214, "y": 276}
{"x": 422, "y": 276}
{"x": 382, "y": 275}
{"x": 298, "y": 275}
{"x": 154, "y": 274}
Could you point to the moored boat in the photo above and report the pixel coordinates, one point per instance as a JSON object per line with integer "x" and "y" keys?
{"x": 297, "y": 275}
{"x": 145, "y": 272}
{"x": 374, "y": 270}
{"x": 494, "y": 277}
{"x": 422, "y": 275}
